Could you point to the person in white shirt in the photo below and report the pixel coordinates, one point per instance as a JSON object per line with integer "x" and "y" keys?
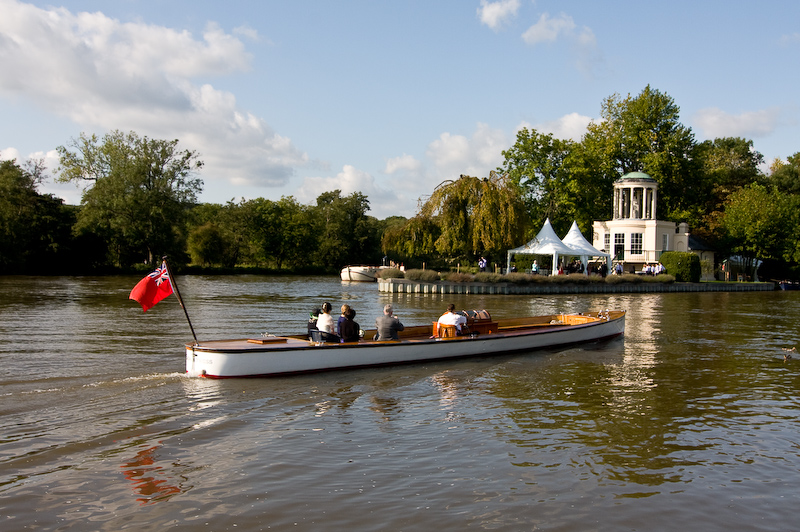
{"x": 452, "y": 318}
{"x": 325, "y": 321}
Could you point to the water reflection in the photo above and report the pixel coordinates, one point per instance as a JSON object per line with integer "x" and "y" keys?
{"x": 694, "y": 408}
{"x": 152, "y": 481}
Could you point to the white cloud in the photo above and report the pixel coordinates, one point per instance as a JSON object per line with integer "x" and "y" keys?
{"x": 716, "y": 123}
{"x": 453, "y": 155}
{"x": 404, "y": 162}
{"x": 583, "y": 40}
{"x": 382, "y": 202}
{"x": 586, "y": 37}
{"x": 10, "y": 154}
{"x": 247, "y": 31}
{"x": 571, "y": 126}
{"x": 104, "y": 74}
{"x": 409, "y": 179}
{"x": 496, "y": 14}
{"x": 786, "y": 40}
{"x": 548, "y": 29}
{"x": 589, "y": 58}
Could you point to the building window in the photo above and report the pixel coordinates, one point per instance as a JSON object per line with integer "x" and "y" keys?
{"x": 606, "y": 242}
{"x": 636, "y": 243}
{"x": 665, "y": 242}
{"x": 619, "y": 246}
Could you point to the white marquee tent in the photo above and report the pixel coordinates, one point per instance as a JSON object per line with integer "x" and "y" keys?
{"x": 547, "y": 242}
{"x": 581, "y": 247}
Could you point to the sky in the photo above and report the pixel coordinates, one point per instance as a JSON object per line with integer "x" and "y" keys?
{"x": 389, "y": 99}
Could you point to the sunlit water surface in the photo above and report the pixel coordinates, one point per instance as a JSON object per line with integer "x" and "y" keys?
{"x": 690, "y": 422}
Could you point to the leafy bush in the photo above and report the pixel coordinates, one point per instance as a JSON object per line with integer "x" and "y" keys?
{"x": 426, "y": 276}
{"x": 458, "y": 277}
{"x": 682, "y": 265}
{"x": 624, "y": 278}
{"x": 390, "y": 273}
{"x": 664, "y": 278}
{"x": 518, "y": 278}
{"x": 572, "y": 278}
{"x": 488, "y": 277}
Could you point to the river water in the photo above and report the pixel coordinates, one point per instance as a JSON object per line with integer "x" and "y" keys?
{"x": 689, "y": 422}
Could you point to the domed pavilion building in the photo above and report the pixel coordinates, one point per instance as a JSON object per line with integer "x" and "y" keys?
{"x": 635, "y": 236}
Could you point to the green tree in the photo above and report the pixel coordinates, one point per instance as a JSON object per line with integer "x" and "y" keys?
{"x": 791, "y": 248}
{"x": 208, "y": 246}
{"x": 755, "y": 223}
{"x": 138, "y": 194}
{"x": 536, "y": 164}
{"x": 35, "y": 229}
{"x": 589, "y": 188}
{"x": 346, "y": 234}
{"x": 728, "y": 164}
{"x": 786, "y": 175}
{"x": 282, "y": 231}
{"x": 645, "y": 134}
{"x": 413, "y": 241}
{"x": 468, "y": 217}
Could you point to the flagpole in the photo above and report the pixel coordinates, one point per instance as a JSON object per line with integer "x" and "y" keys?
{"x": 178, "y": 295}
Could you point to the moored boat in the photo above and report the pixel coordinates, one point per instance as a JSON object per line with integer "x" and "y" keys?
{"x": 280, "y": 355}
{"x": 360, "y": 273}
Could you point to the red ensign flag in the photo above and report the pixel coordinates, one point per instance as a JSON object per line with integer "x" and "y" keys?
{"x": 152, "y": 288}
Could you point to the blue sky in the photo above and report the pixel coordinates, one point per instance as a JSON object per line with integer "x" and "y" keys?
{"x": 385, "y": 98}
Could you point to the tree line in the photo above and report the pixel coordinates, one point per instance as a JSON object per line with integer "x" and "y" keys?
{"x": 719, "y": 187}
{"x": 140, "y": 202}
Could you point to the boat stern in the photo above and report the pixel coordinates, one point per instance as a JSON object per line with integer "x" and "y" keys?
{"x": 192, "y": 364}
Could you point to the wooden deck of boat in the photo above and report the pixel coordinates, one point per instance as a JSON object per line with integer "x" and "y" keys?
{"x": 418, "y": 333}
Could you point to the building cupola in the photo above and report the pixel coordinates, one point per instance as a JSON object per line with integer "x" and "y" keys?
{"x": 635, "y": 197}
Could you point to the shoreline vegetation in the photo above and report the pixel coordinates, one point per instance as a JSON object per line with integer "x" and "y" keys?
{"x": 521, "y": 278}
{"x": 141, "y": 202}
{"x": 432, "y": 282}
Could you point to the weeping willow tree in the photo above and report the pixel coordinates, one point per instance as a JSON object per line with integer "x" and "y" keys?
{"x": 464, "y": 219}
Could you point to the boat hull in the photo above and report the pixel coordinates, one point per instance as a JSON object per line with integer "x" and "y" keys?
{"x": 289, "y": 355}
{"x": 367, "y": 274}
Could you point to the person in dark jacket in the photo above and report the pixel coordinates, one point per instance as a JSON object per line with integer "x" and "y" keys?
{"x": 388, "y": 325}
{"x": 349, "y": 329}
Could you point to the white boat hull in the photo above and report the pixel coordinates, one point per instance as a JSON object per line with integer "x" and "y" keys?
{"x": 244, "y": 358}
{"x": 360, "y": 273}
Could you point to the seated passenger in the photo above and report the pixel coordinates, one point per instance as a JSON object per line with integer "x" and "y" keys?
{"x": 345, "y": 308}
{"x": 451, "y": 317}
{"x": 325, "y": 320}
{"x": 312, "y": 320}
{"x": 349, "y": 329}
{"x": 388, "y": 325}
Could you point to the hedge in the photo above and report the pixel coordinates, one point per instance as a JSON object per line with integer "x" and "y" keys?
{"x": 682, "y": 265}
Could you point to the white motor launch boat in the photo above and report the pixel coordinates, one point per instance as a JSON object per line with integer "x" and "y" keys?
{"x": 360, "y": 273}
{"x": 280, "y": 355}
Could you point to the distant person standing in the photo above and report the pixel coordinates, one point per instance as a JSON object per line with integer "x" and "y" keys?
{"x": 482, "y": 264}
{"x": 388, "y": 325}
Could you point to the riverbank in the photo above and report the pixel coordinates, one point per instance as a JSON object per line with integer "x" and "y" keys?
{"x": 406, "y": 286}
